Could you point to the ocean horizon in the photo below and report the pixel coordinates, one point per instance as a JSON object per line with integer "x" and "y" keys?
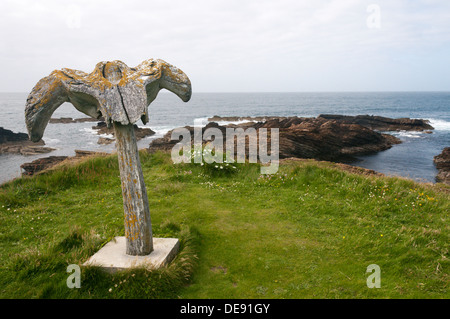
{"x": 413, "y": 158}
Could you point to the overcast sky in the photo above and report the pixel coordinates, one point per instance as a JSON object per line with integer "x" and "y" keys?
{"x": 236, "y": 46}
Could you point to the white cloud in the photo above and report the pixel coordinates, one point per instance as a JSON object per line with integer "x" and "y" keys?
{"x": 229, "y": 45}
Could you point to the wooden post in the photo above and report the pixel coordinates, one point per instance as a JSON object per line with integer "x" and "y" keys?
{"x": 138, "y": 228}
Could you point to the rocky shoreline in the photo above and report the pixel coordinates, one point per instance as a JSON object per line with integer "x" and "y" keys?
{"x": 18, "y": 143}
{"x": 327, "y": 137}
{"x": 45, "y": 163}
{"x": 139, "y": 132}
{"x": 335, "y": 138}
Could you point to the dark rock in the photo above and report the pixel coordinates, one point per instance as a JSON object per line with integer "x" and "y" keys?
{"x": 61, "y": 120}
{"x": 317, "y": 138}
{"x": 217, "y": 118}
{"x": 329, "y": 140}
{"x": 140, "y": 132}
{"x": 378, "y": 123}
{"x": 18, "y": 143}
{"x": 442, "y": 163}
{"x": 44, "y": 163}
{"x": 10, "y": 136}
{"x": 41, "y": 164}
{"x": 104, "y": 140}
{"x": 66, "y": 120}
{"x": 381, "y": 123}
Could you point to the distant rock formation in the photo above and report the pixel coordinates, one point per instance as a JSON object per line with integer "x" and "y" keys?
{"x": 319, "y": 138}
{"x": 41, "y": 164}
{"x": 66, "y": 120}
{"x": 10, "y": 136}
{"x": 378, "y": 123}
{"x": 442, "y": 162}
{"x": 326, "y": 139}
{"x": 381, "y": 123}
{"x": 18, "y": 143}
{"x": 104, "y": 140}
{"x": 45, "y": 163}
{"x": 140, "y": 132}
{"x": 217, "y": 118}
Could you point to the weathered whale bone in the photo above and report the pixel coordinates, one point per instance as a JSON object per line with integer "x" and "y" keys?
{"x": 121, "y": 95}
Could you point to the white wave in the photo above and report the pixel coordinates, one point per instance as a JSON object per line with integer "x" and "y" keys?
{"x": 410, "y": 134}
{"x": 200, "y": 121}
{"x": 89, "y": 130}
{"x": 161, "y": 130}
{"x": 106, "y": 135}
{"x": 223, "y": 123}
{"x": 51, "y": 141}
{"x": 92, "y": 131}
{"x": 440, "y": 125}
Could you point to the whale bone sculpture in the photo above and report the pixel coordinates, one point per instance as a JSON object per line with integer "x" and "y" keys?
{"x": 121, "y": 95}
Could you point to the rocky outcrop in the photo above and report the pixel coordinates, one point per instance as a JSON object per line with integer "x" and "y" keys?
{"x": 139, "y": 132}
{"x": 10, "y": 136}
{"x": 104, "y": 140}
{"x": 330, "y": 140}
{"x": 41, "y": 164}
{"x": 317, "y": 138}
{"x": 25, "y": 148}
{"x": 45, "y": 163}
{"x": 378, "y": 123}
{"x": 381, "y": 123}
{"x": 66, "y": 120}
{"x": 217, "y": 118}
{"x": 442, "y": 163}
{"x": 18, "y": 143}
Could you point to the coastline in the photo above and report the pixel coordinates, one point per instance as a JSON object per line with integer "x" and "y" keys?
{"x": 381, "y": 126}
{"x": 413, "y": 158}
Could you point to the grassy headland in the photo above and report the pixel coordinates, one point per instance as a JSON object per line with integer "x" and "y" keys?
{"x": 309, "y": 231}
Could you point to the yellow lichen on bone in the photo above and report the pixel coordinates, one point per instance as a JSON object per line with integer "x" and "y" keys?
{"x": 119, "y": 93}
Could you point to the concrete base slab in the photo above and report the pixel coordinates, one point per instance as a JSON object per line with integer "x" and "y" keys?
{"x": 112, "y": 256}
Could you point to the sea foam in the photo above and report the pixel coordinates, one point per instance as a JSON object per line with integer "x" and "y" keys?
{"x": 440, "y": 125}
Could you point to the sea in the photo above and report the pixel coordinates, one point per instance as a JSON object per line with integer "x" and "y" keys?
{"x": 413, "y": 158}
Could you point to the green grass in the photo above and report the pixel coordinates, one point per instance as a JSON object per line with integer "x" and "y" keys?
{"x": 309, "y": 231}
